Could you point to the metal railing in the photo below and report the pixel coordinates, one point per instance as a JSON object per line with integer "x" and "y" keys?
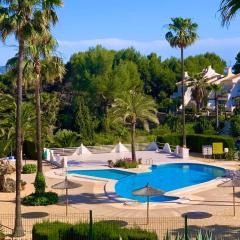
{"x": 176, "y": 226}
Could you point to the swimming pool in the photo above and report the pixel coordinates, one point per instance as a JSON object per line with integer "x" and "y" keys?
{"x": 167, "y": 177}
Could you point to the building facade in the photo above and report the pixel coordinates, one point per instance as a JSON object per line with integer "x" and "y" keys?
{"x": 229, "y": 94}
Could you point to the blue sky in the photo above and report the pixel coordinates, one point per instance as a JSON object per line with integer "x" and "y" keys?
{"x": 119, "y": 24}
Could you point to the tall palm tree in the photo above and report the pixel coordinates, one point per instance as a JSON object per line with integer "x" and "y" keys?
{"x": 133, "y": 107}
{"x": 216, "y": 88}
{"x": 199, "y": 86}
{"x": 228, "y": 9}
{"x": 182, "y": 33}
{"x": 45, "y": 67}
{"x": 39, "y": 66}
{"x": 17, "y": 20}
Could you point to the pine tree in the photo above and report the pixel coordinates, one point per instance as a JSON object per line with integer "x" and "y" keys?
{"x": 84, "y": 122}
{"x": 236, "y": 67}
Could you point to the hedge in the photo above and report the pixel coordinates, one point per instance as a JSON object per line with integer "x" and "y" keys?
{"x": 107, "y": 230}
{"x": 195, "y": 141}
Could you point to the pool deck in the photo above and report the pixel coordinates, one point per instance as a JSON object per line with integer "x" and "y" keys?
{"x": 96, "y": 194}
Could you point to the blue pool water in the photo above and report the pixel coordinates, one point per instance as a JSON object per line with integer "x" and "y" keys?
{"x": 167, "y": 177}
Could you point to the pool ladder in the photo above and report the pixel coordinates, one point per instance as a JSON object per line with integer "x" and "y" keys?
{"x": 149, "y": 161}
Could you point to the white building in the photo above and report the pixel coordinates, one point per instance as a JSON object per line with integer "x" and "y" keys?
{"x": 230, "y": 88}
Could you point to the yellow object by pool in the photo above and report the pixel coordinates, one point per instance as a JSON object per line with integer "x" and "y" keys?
{"x": 217, "y": 148}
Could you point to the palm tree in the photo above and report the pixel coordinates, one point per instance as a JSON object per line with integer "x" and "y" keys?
{"x": 182, "y": 33}
{"x": 216, "y": 88}
{"x": 23, "y": 18}
{"x": 17, "y": 20}
{"x": 39, "y": 66}
{"x": 228, "y": 9}
{"x": 199, "y": 86}
{"x": 46, "y": 67}
{"x": 133, "y": 107}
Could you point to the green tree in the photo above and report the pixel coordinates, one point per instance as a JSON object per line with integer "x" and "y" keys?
{"x": 236, "y": 67}
{"x": 66, "y": 138}
{"x": 8, "y": 119}
{"x": 235, "y": 125}
{"x": 50, "y": 104}
{"x": 228, "y": 9}
{"x": 182, "y": 33}
{"x": 196, "y": 64}
{"x": 199, "y": 89}
{"x": 132, "y": 107}
{"x": 84, "y": 122}
{"x": 216, "y": 88}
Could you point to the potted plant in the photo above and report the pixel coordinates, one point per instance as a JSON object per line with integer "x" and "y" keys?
{"x": 23, "y": 185}
{"x": 110, "y": 163}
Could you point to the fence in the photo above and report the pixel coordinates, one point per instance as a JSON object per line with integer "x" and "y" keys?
{"x": 159, "y": 225}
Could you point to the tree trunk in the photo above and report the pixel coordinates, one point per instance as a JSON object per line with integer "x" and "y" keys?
{"x": 183, "y": 102}
{"x": 38, "y": 118}
{"x": 18, "y": 227}
{"x": 216, "y": 110}
{"x": 133, "y": 128}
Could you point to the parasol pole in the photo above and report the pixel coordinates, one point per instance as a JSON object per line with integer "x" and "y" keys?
{"x": 147, "y": 209}
{"x": 234, "y": 203}
{"x": 66, "y": 202}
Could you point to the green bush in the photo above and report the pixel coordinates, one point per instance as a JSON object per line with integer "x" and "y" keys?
{"x": 29, "y": 168}
{"x": 40, "y": 199}
{"x": 125, "y": 163}
{"x": 172, "y": 139}
{"x": 110, "y": 230}
{"x": 231, "y": 155}
{"x": 204, "y": 126}
{"x": 2, "y": 235}
{"x": 195, "y": 141}
{"x": 235, "y": 126}
{"x": 40, "y": 183}
{"x": 48, "y": 231}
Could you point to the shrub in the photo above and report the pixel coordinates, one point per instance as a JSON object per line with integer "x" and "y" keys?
{"x": 231, "y": 155}
{"x": 29, "y": 168}
{"x": 195, "y": 141}
{"x": 66, "y": 138}
{"x": 40, "y": 199}
{"x": 204, "y": 126}
{"x": 101, "y": 230}
{"x": 172, "y": 139}
{"x": 48, "y": 231}
{"x": 235, "y": 126}
{"x": 40, "y": 183}
{"x": 125, "y": 163}
{"x": 2, "y": 235}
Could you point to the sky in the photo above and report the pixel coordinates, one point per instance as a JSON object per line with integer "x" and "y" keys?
{"x": 117, "y": 24}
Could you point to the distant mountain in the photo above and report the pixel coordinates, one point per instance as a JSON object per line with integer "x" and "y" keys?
{"x": 2, "y": 69}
